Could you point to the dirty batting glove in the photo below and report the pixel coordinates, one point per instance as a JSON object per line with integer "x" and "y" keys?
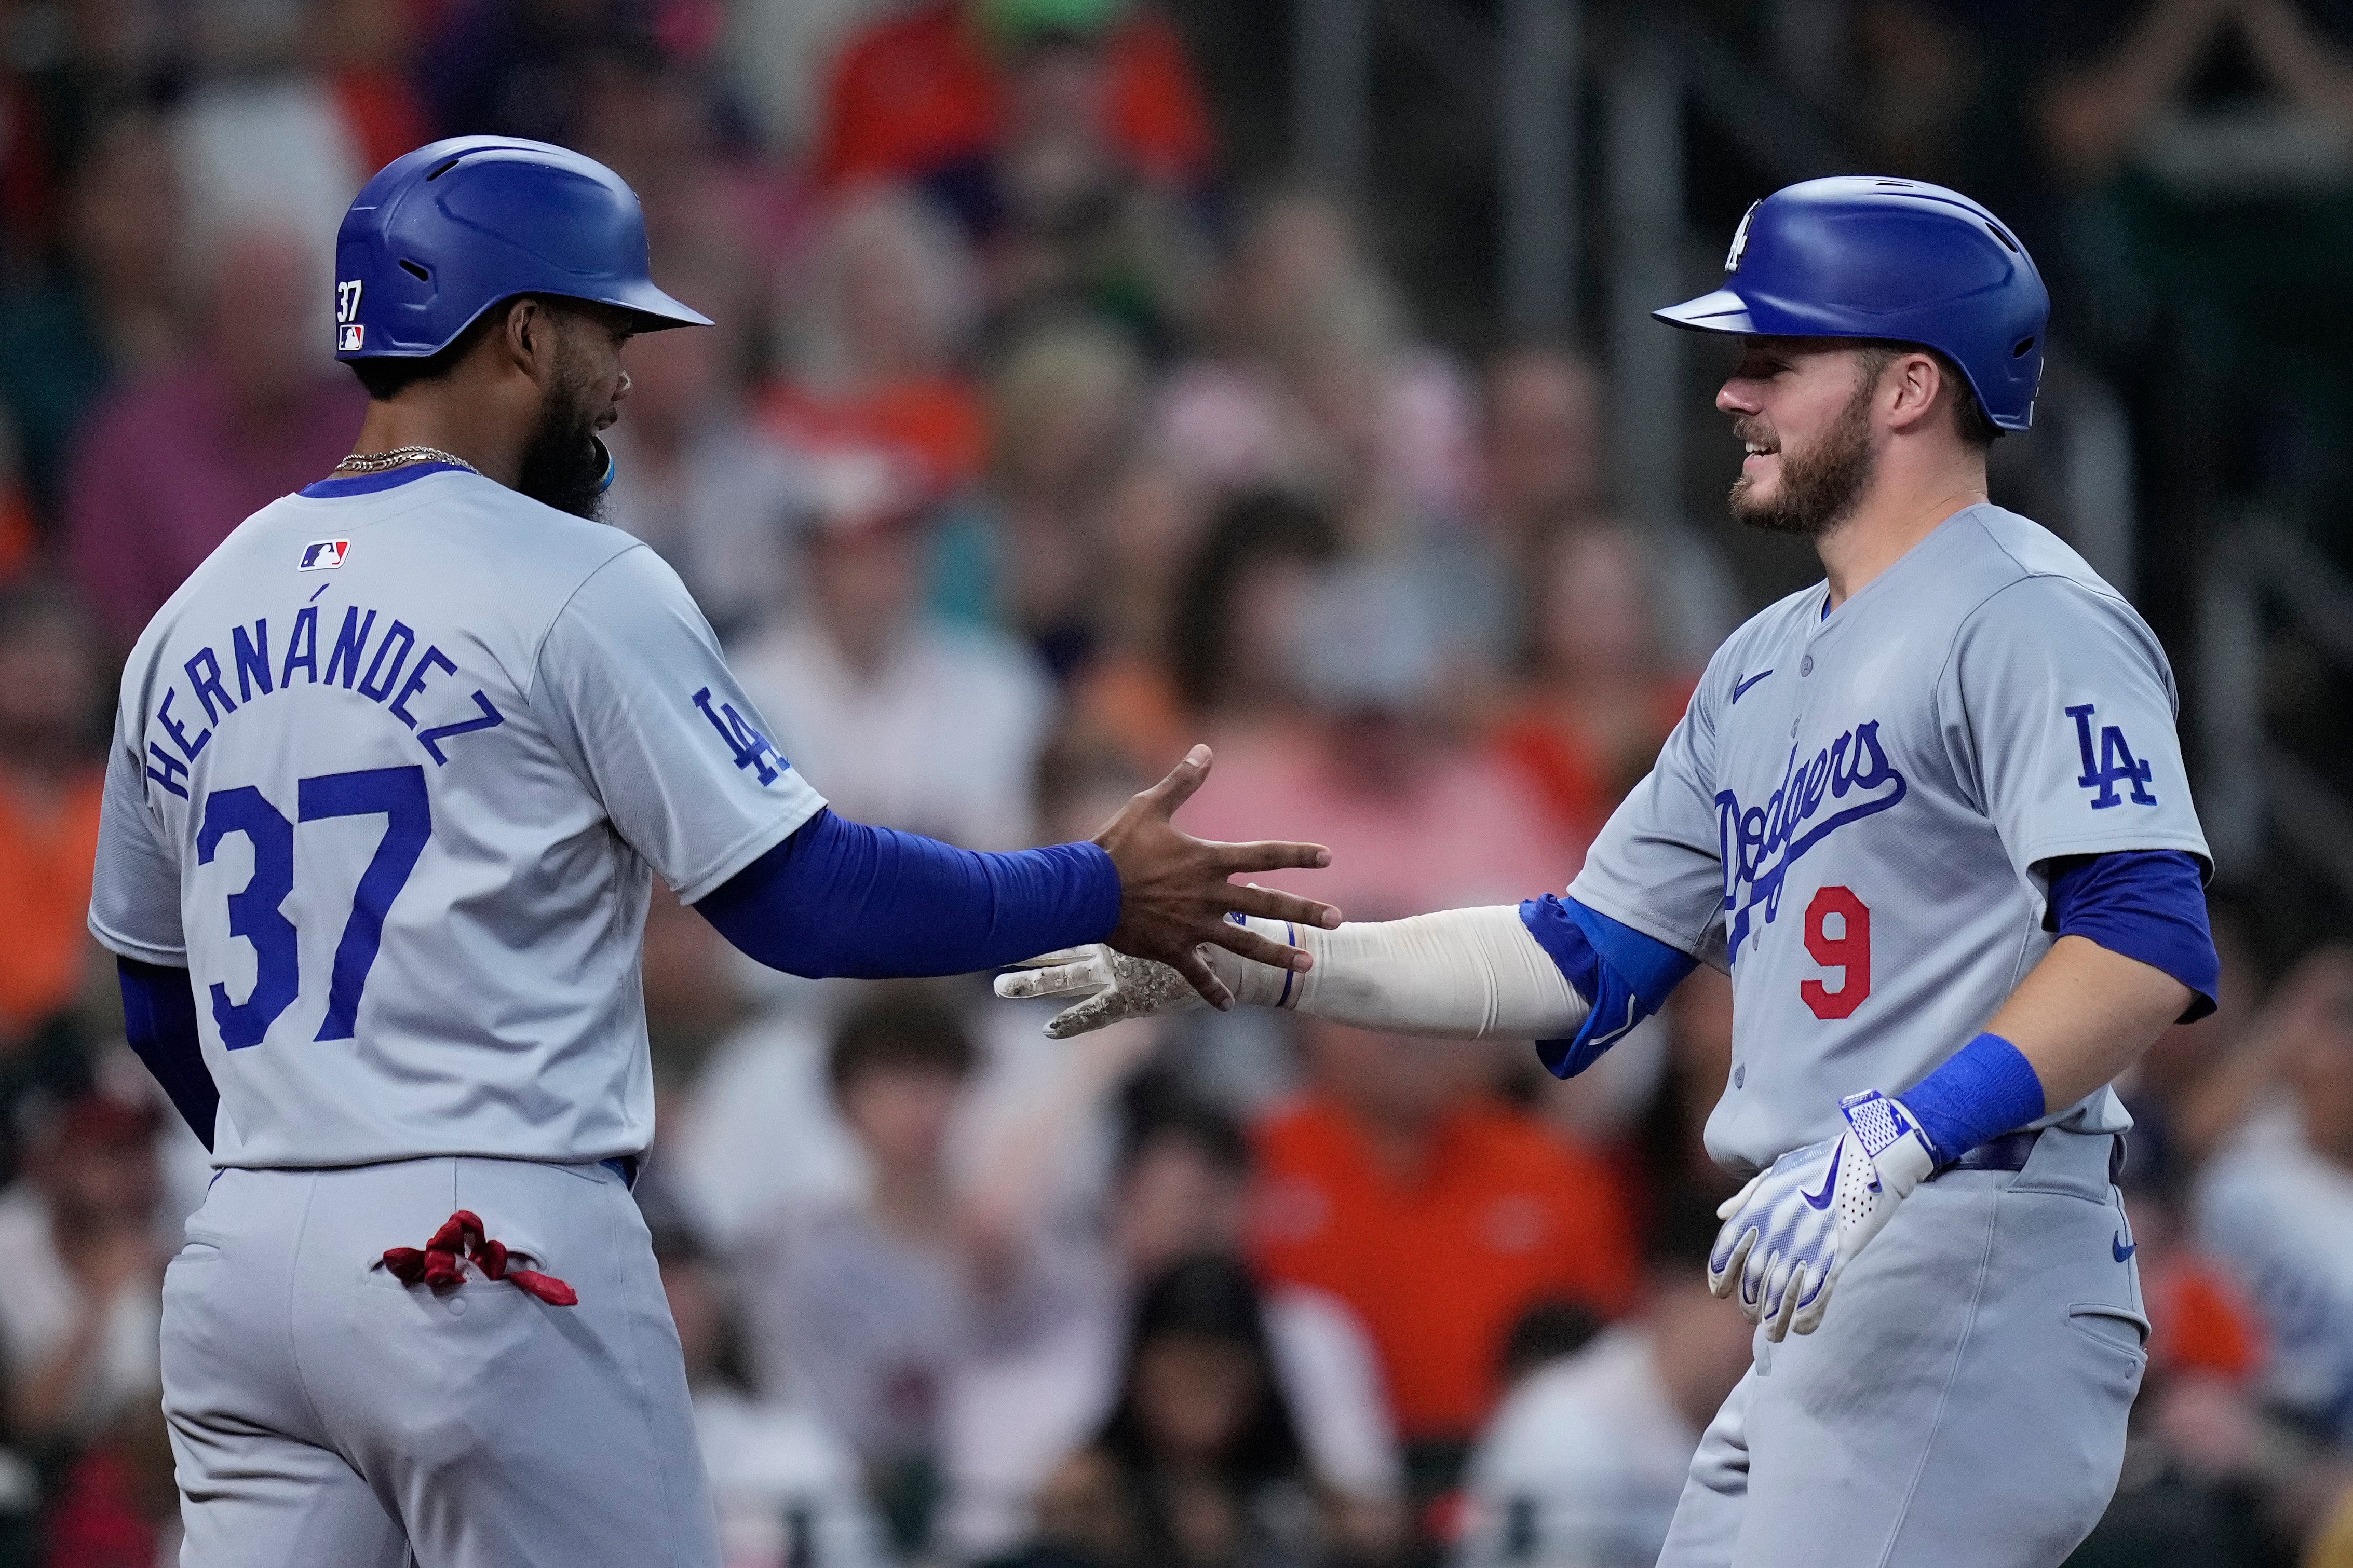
{"x": 1101, "y": 984}
{"x": 1105, "y": 986}
{"x": 1792, "y": 1230}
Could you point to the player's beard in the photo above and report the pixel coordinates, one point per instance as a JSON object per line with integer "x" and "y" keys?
{"x": 564, "y": 464}
{"x": 1821, "y": 484}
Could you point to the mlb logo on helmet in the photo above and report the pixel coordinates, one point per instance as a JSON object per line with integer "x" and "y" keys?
{"x": 348, "y": 338}
{"x": 324, "y": 555}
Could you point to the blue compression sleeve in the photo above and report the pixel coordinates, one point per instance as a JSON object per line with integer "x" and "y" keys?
{"x": 158, "y": 1015}
{"x": 1625, "y": 974}
{"x": 841, "y": 899}
{"x": 2146, "y": 904}
{"x": 1984, "y": 1089}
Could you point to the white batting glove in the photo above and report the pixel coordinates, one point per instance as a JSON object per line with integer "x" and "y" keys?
{"x": 1792, "y": 1230}
{"x": 1114, "y": 986}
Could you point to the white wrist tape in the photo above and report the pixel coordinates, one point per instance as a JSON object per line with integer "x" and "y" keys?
{"x": 1465, "y": 974}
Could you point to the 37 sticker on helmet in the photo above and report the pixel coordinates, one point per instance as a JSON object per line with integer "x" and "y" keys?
{"x": 324, "y": 555}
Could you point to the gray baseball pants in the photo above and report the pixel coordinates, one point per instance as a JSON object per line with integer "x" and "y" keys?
{"x": 1963, "y": 1403}
{"x": 321, "y": 1412}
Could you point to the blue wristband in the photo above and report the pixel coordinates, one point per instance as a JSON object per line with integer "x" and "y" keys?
{"x": 1984, "y": 1089}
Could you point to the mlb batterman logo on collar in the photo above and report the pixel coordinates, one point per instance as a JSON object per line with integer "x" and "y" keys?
{"x": 442, "y": 234}
{"x": 1858, "y": 257}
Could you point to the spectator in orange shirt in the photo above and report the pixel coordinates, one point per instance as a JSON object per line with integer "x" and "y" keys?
{"x": 922, "y": 91}
{"x": 1439, "y": 1215}
{"x": 49, "y": 783}
{"x": 365, "y": 50}
{"x": 1066, "y": 137}
{"x": 875, "y": 317}
{"x": 1601, "y": 699}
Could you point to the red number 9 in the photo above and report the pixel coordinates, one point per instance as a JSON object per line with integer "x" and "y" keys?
{"x": 1848, "y": 950}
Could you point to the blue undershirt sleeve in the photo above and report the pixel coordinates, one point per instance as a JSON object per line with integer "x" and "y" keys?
{"x": 1625, "y": 974}
{"x": 2146, "y": 904}
{"x": 159, "y": 1016}
{"x": 840, "y": 898}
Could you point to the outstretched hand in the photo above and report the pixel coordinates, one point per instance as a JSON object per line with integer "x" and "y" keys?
{"x": 1174, "y": 891}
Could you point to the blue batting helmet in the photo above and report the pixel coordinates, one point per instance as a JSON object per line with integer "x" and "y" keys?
{"x": 444, "y": 233}
{"x": 1856, "y": 256}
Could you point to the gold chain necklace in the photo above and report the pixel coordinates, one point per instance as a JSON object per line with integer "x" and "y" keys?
{"x": 376, "y": 462}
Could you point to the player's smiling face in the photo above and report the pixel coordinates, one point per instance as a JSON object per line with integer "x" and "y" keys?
{"x": 1801, "y": 409}
{"x": 1784, "y": 395}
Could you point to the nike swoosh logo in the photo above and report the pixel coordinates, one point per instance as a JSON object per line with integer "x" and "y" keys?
{"x": 2122, "y": 1248}
{"x": 1740, "y": 686}
{"x": 1822, "y": 1200}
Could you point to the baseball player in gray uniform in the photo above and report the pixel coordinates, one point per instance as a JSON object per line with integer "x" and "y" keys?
{"x": 391, "y": 773}
{"x": 1930, "y": 814}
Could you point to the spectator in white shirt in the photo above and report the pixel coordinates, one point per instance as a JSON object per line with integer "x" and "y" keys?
{"x": 2275, "y": 1202}
{"x": 1181, "y": 1191}
{"x": 869, "y": 1307}
{"x": 1583, "y": 1463}
{"x": 789, "y": 1492}
{"x": 900, "y": 718}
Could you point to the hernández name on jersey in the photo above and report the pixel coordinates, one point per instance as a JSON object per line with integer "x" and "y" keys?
{"x": 1852, "y": 776}
{"x": 371, "y": 654}
{"x": 397, "y": 820}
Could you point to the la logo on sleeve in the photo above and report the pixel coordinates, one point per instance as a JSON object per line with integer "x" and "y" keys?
{"x": 324, "y": 555}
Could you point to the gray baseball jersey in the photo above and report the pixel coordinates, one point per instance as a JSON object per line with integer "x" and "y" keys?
{"x": 387, "y": 777}
{"x": 1856, "y": 813}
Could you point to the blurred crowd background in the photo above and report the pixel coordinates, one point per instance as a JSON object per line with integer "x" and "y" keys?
{"x": 1093, "y": 376}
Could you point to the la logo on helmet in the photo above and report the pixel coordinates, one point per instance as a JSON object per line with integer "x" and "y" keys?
{"x": 1740, "y": 239}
